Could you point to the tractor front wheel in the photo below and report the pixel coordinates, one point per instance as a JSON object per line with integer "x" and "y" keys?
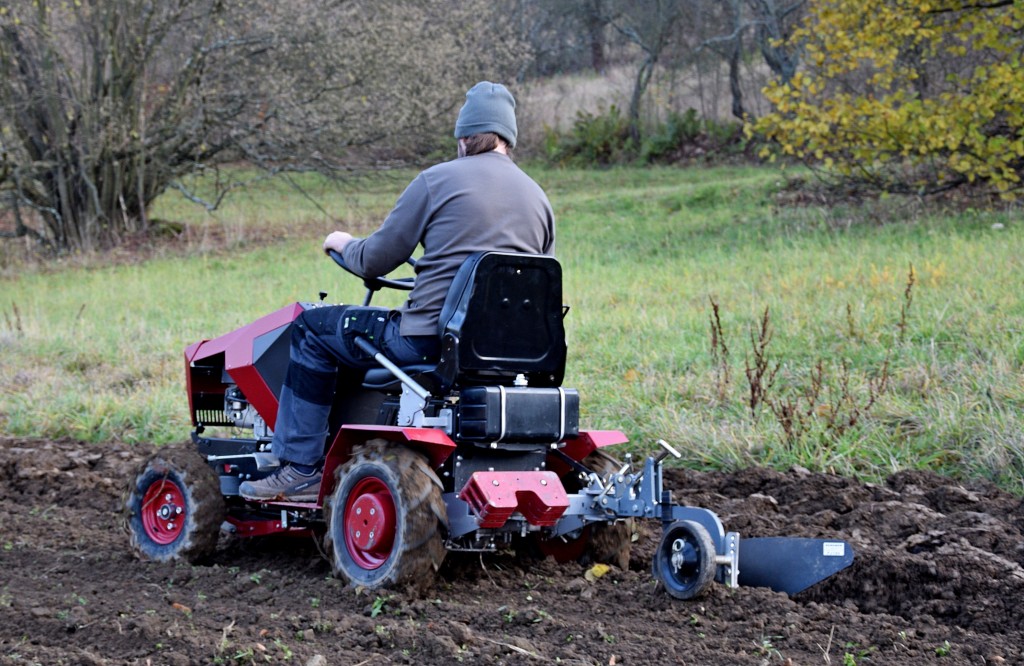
{"x": 384, "y": 518}
{"x": 174, "y": 508}
{"x": 685, "y": 559}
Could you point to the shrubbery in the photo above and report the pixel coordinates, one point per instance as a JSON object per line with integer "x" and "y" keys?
{"x": 603, "y": 139}
{"x": 909, "y": 96}
{"x": 600, "y": 139}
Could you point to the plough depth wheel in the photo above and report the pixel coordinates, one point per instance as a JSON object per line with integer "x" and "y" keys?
{"x": 685, "y": 559}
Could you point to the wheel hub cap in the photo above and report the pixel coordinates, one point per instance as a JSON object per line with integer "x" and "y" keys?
{"x": 163, "y": 512}
{"x": 370, "y": 523}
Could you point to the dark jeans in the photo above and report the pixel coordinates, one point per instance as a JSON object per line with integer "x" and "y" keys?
{"x": 321, "y": 344}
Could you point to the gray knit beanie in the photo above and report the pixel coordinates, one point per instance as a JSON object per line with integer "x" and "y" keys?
{"x": 489, "y": 107}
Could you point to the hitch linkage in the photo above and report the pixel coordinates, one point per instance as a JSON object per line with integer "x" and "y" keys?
{"x": 695, "y": 548}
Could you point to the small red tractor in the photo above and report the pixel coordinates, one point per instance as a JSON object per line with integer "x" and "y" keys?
{"x": 478, "y": 452}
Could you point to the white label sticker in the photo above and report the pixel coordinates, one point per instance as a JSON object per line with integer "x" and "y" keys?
{"x": 833, "y": 549}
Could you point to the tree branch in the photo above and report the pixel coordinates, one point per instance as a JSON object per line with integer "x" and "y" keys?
{"x": 980, "y": 6}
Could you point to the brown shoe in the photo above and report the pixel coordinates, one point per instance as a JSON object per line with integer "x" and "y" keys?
{"x": 284, "y": 485}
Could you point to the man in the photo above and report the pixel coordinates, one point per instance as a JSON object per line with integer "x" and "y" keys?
{"x": 477, "y": 202}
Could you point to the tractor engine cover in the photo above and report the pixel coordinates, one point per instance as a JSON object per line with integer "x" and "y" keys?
{"x": 518, "y": 414}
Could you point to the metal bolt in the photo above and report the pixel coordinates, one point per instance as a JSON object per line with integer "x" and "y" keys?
{"x": 495, "y": 482}
{"x": 359, "y": 510}
{"x": 357, "y": 534}
{"x": 170, "y": 526}
{"x": 373, "y": 511}
{"x": 167, "y": 497}
{"x": 543, "y": 482}
{"x": 177, "y": 510}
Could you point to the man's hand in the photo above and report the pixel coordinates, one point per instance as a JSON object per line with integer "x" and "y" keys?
{"x": 337, "y": 240}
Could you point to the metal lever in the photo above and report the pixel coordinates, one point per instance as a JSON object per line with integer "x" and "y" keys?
{"x": 406, "y": 380}
{"x": 668, "y": 451}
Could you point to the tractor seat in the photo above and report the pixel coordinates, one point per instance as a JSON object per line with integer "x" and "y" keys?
{"x": 381, "y": 379}
{"x": 502, "y": 318}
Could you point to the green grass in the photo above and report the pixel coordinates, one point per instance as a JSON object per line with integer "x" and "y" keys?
{"x": 96, "y": 353}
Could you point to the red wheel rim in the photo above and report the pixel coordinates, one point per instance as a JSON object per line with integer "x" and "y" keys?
{"x": 370, "y": 524}
{"x": 163, "y": 512}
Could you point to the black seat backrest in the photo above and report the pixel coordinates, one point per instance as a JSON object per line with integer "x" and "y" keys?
{"x": 503, "y": 317}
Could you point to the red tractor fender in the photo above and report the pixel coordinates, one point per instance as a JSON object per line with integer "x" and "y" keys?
{"x": 437, "y": 446}
{"x": 587, "y": 443}
{"x": 590, "y": 441}
{"x": 433, "y": 443}
{"x": 582, "y": 446}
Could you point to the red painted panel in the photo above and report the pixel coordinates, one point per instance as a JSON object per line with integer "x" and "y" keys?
{"x": 591, "y": 440}
{"x": 242, "y": 337}
{"x": 237, "y": 347}
{"x": 494, "y": 496}
{"x": 432, "y": 442}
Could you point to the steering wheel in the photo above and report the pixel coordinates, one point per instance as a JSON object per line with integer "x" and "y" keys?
{"x": 377, "y": 283}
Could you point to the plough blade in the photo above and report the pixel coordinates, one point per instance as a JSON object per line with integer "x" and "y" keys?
{"x": 791, "y": 565}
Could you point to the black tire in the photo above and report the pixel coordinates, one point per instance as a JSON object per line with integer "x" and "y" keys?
{"x": 604, "y": 543}
{"x": 174, "y": 508}
{"x": 385, "y": 519}
{"x": 693, "y": 570}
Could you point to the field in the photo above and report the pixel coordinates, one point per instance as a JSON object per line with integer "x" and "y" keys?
{"x": 937, "y": 580}
{"x": 895, "y": 334}
{"x": 848, "y": 370}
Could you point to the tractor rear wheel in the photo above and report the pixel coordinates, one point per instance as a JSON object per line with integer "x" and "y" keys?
{"x": 604, "y": 543}
{"x": 685, "y": 559}
{"x": 174, "y": 508}
{"x": 385, "y": 518}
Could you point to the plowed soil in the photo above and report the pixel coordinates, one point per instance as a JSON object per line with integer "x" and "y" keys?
{"x": 938, "y": 579}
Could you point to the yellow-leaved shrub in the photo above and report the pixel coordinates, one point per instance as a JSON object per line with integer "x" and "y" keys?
{"x": 910, "y": 95}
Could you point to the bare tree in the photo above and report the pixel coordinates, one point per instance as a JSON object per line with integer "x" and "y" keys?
{"x": 650, "y": 25}
{"x": 595, "y": 24}
{"x": 104, "y": 104}
{"x": 735, "y": 51}
{"x": 564, "y": 35}
{"x": 771, "y": 23}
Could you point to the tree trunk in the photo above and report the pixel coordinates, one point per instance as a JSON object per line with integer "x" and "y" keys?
{"x": 643, "y": 77}
{"x": 595, "y": 24}
{"x": 734, "y": 81}
{"x": 771, "y": 36}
